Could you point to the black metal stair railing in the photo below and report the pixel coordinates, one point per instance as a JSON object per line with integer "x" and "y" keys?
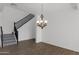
{"x": 16, "y": 32}
{"x": 24, "y": 20}
{"x": 20, "y": 23}
{"x": 17, "y": 25}
{"x": 1, "y": 36}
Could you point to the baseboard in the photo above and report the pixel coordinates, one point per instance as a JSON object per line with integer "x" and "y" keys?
{"x": 60, "y": 46}
{"x": 38, "y": 41}
{"x": 28, "y": 40}
{"x": 25, "y": 39}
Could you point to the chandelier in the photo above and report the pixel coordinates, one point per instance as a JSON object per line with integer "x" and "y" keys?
{"x": 41, "y": 22}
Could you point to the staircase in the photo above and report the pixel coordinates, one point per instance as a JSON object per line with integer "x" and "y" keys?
{"x": 10, "y": 39}
{"x": 24, "y": 20}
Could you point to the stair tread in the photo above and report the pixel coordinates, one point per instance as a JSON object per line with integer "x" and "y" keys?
{"x": 9, "y": 38}
{"x": 9, "y": 44}
{"x": 10, "y": 41}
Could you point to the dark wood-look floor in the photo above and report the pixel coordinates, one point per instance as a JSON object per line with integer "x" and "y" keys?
{"x": 29, "y": 47}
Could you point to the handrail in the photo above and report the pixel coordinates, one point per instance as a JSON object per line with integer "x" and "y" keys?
{"x": 1, "y": 36}
{"x": 21, "y": 22}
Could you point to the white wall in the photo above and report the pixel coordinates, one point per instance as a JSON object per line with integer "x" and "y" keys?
{"x": 34, "y": 8}
{"x": 8, "y": 17}
{"x": 38, "y": 31}
{"x": 28, "y": 31}
{"x": 63, "y": 26}
{"x": 15, "y": 13}
{"x": 31, "y": 29}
